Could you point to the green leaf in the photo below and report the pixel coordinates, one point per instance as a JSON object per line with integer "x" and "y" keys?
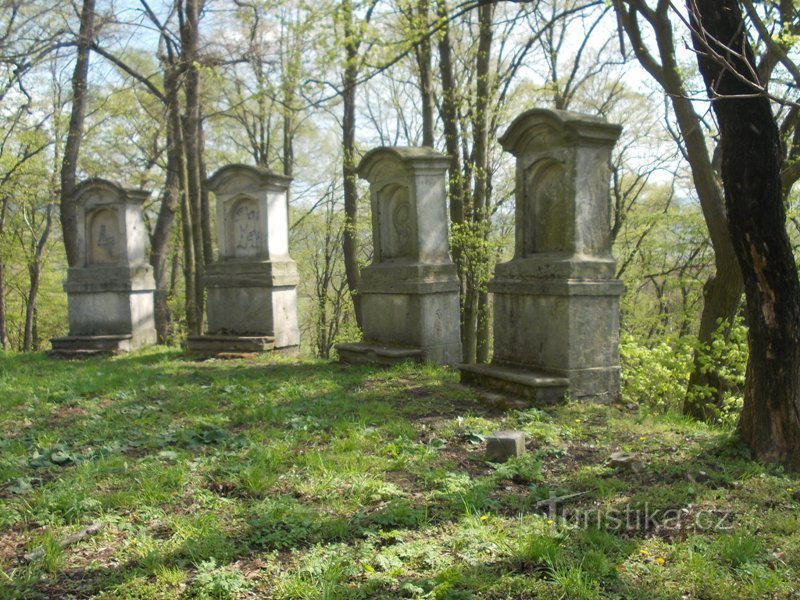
{"x": 60, "y": 457}
{"x": 20, "y": 487}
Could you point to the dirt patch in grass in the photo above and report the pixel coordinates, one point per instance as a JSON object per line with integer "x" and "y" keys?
{"x": 407, "y": 482}
{"x": 12, "y": 545}
{"x": 64, "y": 415}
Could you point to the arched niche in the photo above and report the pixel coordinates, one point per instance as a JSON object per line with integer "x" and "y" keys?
{"x": 546, "y": 215}
{"x": 105, "y": 244}
{"x": 396, "y": 222}
{"x": 244, "y": 228}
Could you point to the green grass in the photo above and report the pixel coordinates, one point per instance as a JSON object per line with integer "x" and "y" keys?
{"x": 284, "y": 478}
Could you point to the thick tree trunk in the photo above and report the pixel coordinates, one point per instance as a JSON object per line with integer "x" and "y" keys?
{"x": 192, "y": 145}
{"x": 170, "y": 199}
{"x": 452, "y": 138}
{"x": 69, "y": 163}
{"x": 350, "y": 239}
{"x": 751, "y": 163}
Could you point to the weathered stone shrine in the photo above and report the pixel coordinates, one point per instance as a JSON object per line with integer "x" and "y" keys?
{"x": 251, "y": 303}
{"x": 110, "y": 290}
{"x": 409, "y": 293}
{"x": 556, "y": 303}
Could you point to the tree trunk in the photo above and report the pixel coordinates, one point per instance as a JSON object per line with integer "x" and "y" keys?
{"x": 289, "y": 85}
{"x": 423, "y": 54}
{"x": 159, "y": 239}
{"x": 350, "y": 239}
{"x": 35, "y": 277}
{"x": 3, "y": 322}
{"x": 3, "y": 319}
{"x": 69, "y": 164}
{"x": 205, "y": 205}
{"x": 476, "y": 308}
{"x": 192, "y": 145}
{"x": 723, "y": 290}
{"x": 483, "y": 346}
{"x": 722, "y": 295}
{"x": 751, "y": 164}
{"x": 452, "y": 138}
{"x": 288, "y": 142}
{"x": 193, "y": 326}
{"x": 449, "y": 115}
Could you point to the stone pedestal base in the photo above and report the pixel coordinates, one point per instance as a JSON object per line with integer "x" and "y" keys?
{"x": 110, "y": 311}
{"x": 229, "y": 344}
{"x": 409, "y": 308}
{"x": 536, "y": 387}
{"x": 249, "y": 300}
{"x": 363, "y": 353}
{"x": 79, "y": 346}
{"x": 566, "y": 327}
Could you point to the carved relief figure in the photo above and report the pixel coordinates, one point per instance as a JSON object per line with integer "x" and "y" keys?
{"x": 246, "y": 229}
{"x": 396, "y": 226}
{"x": 401, "y": 222}
{"x": 103, "y": 238}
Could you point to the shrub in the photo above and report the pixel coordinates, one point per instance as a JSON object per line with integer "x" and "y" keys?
{"x": 655, "y": 375}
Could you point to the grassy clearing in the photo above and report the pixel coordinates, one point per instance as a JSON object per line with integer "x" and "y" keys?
{"x": 284, "y": 478}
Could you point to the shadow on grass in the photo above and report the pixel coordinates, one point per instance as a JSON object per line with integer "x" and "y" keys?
{"x": 535, "y": 565}
{"x": 159, "y": 401}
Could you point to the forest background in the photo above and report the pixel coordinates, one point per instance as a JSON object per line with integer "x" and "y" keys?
{"x": 159, "y": 95}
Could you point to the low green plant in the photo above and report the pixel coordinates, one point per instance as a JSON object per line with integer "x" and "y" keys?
{"x": 574, "y": 582}
{"x": 540, "y": 551}
{"x": 738, "y": 549}
{"x": 655, "y": 375}
{"x": 726, "y": 356}
{"x": 49, "y": 553}
{"x": 212, "y": 581}
{"x": 287, "y": 478}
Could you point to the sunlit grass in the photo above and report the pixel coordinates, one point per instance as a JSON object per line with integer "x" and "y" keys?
{"x": 285, "y": 478}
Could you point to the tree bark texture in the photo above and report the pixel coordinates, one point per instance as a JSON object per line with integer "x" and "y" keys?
{"x": 192, "y": 144}
{"x": 475, "y": 338}
{"x": 423, "y": 54}
{"x": 30, "y": 341}
{"x": 69, "y": 163}
{"x": 3, "y": 320}
{"x": 170, "y": 199}
{"x": 751, "y": 175}
{"x": 350, "y": 238}
{"x": 449, "y": 116}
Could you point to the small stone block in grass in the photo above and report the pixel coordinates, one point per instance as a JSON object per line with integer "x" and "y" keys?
{"x": 502, "y": 445}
